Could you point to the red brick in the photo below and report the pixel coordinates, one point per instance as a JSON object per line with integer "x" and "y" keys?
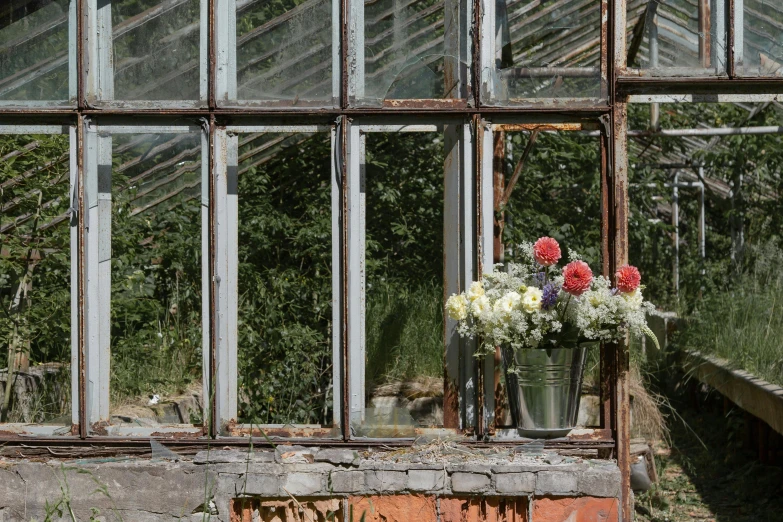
{"x": 285, "y": 510}
{"x": 483, "y": 509}
{"x": 393, "y": 508}
{"x": 581, "y": 509}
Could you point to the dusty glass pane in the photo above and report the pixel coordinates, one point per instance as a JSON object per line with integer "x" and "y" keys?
{"x": 285, "y": 280}
{"x": 549, "y": 49}
{"x": 761, "y": 49}
{"x": 412, "y": 49}
{"x": 34, "y": 50}
{"x": 677, "y": 37}
{"x": 284, "y": 51}
{"x": 156, "y": 49}
{"x": 404, "y": 284}
{"x": 558, "y": 194}
{"x": 156, "y": 329}
{"x": 35, "y": 280}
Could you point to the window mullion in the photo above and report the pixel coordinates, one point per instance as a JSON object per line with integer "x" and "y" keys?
{"x": 355, "y": 275}
{"x": 337, "y": 172}
{"x": 485, "y": 203}
{"x": 226, "y": 50}
{"x": 75, "y": 279}
{"x": 225, "y": 172}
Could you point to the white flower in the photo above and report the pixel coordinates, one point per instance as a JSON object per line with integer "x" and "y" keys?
{"x": 531, "y": 301}
{"x": 480, "y": 306}
{"x": 506, "y": 304}
{"x": 633, "y": 300}
{"x": 476, "y": 290}
{"x": 595, "y": 298}
{"x": 457, "y": 307}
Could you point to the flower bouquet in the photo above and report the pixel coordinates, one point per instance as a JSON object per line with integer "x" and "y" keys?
{"x": 543, "y": 318}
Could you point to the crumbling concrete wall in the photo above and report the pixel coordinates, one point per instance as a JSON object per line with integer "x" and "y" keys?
{"x": 293, "y": 484}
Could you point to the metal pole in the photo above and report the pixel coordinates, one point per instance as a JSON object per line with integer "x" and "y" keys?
{"x": 702, "y": 228}
{"x": 653, "y": 37}
{"x": 676, "y": 225}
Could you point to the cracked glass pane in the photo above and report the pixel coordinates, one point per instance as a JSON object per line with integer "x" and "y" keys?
{"x": 284, "y": 51}
{"x": 760, "y": 31}
{"x": 677, "y": 37}
{"x": 35, "y": 281}
{"x": 284, "y": 336}
{"x": 155, "y": 47}
{"x": 411, "y": 49}
{"x": 34, "y": 55}
{"x": 156, "y": 274}
{"x": 545, "y": 49}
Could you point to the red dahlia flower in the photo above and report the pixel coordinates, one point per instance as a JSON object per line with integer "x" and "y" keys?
{"x": 546, "y": 251}
{"x": 628, "y": 278}
{"x": 577, "y": 277}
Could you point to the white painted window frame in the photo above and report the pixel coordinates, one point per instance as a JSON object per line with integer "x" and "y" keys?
{"x": 226, "y": 59}
{"x": 70, "y": 130}
{"x": 97, "y": 164}
{"x": 72, "y": 72}
{"x": 227, "y": 266}
{"x": 99, "y": 61}
{"x": 459, "y": 255}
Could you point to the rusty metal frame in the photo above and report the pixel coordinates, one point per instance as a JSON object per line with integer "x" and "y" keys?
{"x": 619, "y": 86}
{"x": 502, "y": 123}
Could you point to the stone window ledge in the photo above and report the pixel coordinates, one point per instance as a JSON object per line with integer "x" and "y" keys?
{"x": 217, "y": 481}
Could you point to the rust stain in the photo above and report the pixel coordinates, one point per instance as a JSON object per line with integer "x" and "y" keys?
{"x": 538, "y": 126}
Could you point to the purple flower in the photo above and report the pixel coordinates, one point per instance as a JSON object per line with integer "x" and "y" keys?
{"x": 549, "y": 299}
{"x": 540, "y": 278}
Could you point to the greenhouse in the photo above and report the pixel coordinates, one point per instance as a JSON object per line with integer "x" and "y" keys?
{"x": 391, "y": 260}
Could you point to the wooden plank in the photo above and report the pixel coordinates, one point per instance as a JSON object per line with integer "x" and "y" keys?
{"x": 754, "y": 395}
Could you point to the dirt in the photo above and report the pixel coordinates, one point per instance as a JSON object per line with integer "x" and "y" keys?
{"x": 707, "y": 472}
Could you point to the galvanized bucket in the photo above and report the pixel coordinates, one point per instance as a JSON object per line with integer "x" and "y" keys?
{"x": 544, "y": 388}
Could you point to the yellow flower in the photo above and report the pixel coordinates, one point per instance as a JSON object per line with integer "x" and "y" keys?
{"x": 457, "y": 307}
{"x": 480, "y": 306}
{"x": 594, "y": 298}
{"x": 476, "y": 290}
{"x": 531, "y": 301}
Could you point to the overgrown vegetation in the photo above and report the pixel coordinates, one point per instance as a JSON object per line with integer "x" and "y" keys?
{"x": 285, "y": 248}
{"x": 743, "y": 322}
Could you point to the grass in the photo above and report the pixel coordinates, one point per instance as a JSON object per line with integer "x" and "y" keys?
{"x": 743, "y": 323}
{"x": 706, "y": 472}
{"x": 404, "y": 332}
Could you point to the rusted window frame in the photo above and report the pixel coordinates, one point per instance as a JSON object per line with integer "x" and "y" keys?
{"x": 619, "y": 85}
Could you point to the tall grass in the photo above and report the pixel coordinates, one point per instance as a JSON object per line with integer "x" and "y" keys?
{"x": 404, "y": 332}
{"x": 743, "y": 323}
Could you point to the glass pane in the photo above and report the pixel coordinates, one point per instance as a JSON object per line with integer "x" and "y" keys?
{"x": 558, "y": 194}
{"x": 285, "y": 280}
{"x": 35, "y": 280}
{"x": 156, "y": 328}
{"x": 34, "y": 50}
{"x": 409, "y": 54}
{"x": 404, "y": 284}
{"x": 549, "y": 49}
{"x": 284, "y": 51}
{"x": 761, "y": 38}
{"x": 677, "y": 37}
{"x": 156, "y": 46}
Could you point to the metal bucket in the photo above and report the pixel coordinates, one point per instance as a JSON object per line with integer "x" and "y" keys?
{"x": 544, "y": 388}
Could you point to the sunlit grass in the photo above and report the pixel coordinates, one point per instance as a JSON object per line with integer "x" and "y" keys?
{"x": 744, "y": 323}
